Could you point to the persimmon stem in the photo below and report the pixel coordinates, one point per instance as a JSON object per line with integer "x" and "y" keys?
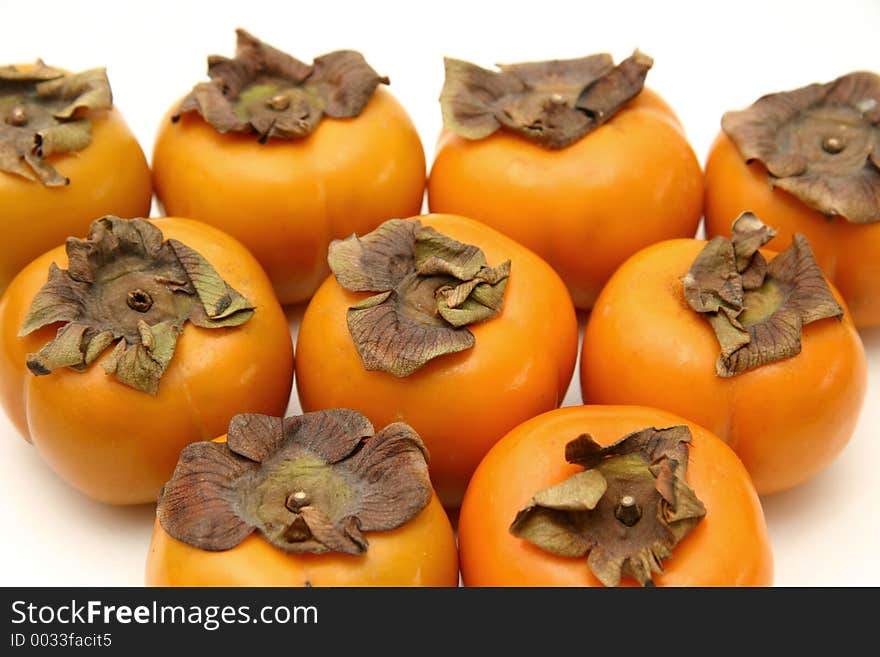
{"x": 295, "y": 501}
{"x": 18, "y": 116}
{"x": 139, "y": 300}
{"x": 278, "y": 103}
{"x": 833, "y": 145}
{"x": 627, "y": 511}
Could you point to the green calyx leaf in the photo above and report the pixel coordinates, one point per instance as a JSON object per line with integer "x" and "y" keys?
{"x": 125, "y": 284}
{"x": 44, "y": 111}
{"x": 626, "y": 511}
{"x": 310, "y": 484}
{"x": 757, "y": 310}
{"x": 430, "y": 288}
{"x": 553, "y": 103}
{"x": 269, "y": 93}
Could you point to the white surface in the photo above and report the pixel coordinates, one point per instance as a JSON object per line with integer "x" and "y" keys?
{"x": 709, "y": 57}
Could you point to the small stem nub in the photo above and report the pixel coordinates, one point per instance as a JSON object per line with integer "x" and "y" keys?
{"x": 627, "y": 511}
{"x": 833, "y": 145}
{"x": 278, "y": 103}
{"x": 17, "y": 116}
{"x": 297, "y": 500}
{"x": 139, "y": 300}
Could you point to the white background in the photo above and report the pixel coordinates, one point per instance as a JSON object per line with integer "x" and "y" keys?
{"x": 708, "y": 58}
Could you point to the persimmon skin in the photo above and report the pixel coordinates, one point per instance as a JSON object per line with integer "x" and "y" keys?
{"x": 285, "y": 200}
{"x": 461, "y": 403}
{"x": 729, "y": 547}
{"x": 786, "y": 420}
{"x": 119, "y": 445}
{"x": 849, "y": 254}
{"x": 420, "y": 553}
{"x": 586, "y": 208}
{"x": 109, "y": 176}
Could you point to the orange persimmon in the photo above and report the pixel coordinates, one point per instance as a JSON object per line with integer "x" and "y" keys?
{"x": 787, "y": 418}
{"x": 298, "y": 535}
{"x": 729, "y": 546}
{"x": 517, "y": 363}
{"x": 585, "y": 207}
{"x": 809, "y": 171}
{"x": 57, "y": 186}
{"x": 116, "y": 438}
{"x": 286, "y": 193}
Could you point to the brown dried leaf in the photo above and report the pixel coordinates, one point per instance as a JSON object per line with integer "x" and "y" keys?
{"x": 44, "y": 111}
{"x": 553, "y": 103}
{"x": 333, "y": 434}
{"x": 605, "y": 96}
{"x": 757, "y": 310}
{"x": 345, "y": 83}
{"x": 397, "y": 457}
{"x": 580, "y": 515}
{"x": 273, "y": 95}
{"x": 819, "y": 143}
{"x": 122, "y": 260}
{"x": 310, "y": 483}
{"x": 377, "y": 261}
{"x": 198, "y": 505}
{"x": 430, "y": 287}
{"x": 387, "y": 339}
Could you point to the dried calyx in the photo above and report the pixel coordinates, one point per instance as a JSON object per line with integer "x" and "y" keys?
{"x": 430, "y": 288}
{"x": 553, "y": 103}
{"x": 628, "y": 508}
{"x": 820, "y": 143}
{"x": 756, "y": 309}
{"x": 269, "y": 93}
{"x": 125, "y": 283}
{"x": 310, "y": 483}
{"x": 44, "y": 111}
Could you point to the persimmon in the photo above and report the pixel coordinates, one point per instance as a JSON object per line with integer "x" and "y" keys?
{"x": 565, "y": 155}
{"x": 196, "y": 334}
{"x": 460, "y": 350}
{"x": 757, "y": 347}
{"x": 286, "y": 157}
{"x": 66, "y": 157}
{"x": 808, "y": 161}
{"x": 593, "y": 495}
{"x": 314, "y": 500}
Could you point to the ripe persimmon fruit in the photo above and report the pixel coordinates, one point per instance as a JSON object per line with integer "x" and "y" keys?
{"x": 289, "y": 157}
{"x": 466, "y": 334}
{"x": 187, "y": 329}
{"x": 593, "y": 495}
{"x": 574, "y": 159}
{"x": 755, "y": 346}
